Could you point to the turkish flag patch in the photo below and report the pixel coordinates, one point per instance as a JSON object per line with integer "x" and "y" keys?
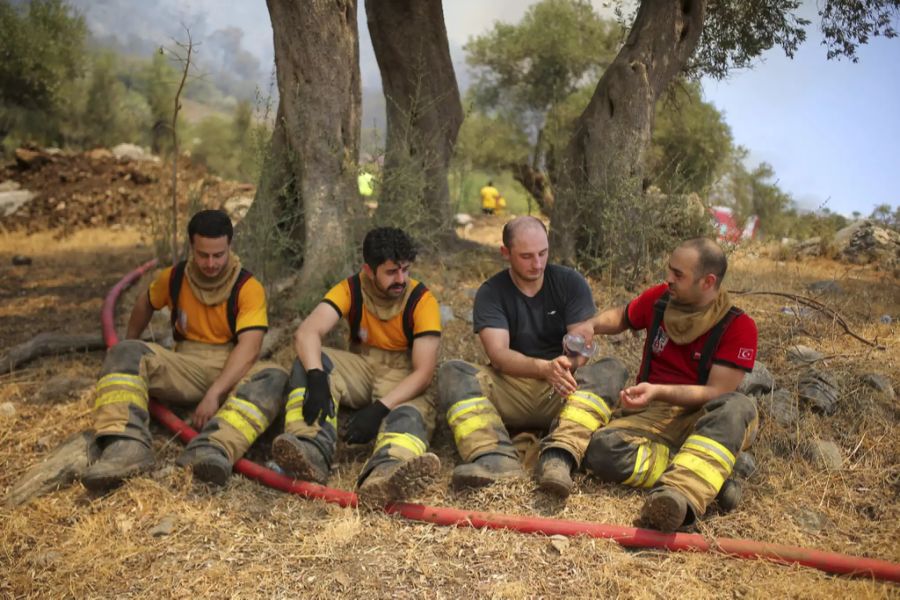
{"x": 745, "y": 354}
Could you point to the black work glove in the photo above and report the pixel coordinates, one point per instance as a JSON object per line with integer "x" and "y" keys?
{"x": 363, "y": 426}
{"x": 318, "y": 403}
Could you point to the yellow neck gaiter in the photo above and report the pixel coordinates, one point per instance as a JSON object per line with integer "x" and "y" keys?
{"x": 212, "y": 291}
{"x": 684, "y": 325}
{"x": 377, "y": 302}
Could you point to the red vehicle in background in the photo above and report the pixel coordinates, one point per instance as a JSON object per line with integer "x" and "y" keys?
{"x": 727, "y": 228}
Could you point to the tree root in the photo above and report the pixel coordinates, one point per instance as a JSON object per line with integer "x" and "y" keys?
{"x": 50, "y": 343}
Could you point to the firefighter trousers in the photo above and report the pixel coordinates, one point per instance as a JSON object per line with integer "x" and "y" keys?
{"x": 357, "y": 379}
{"x": 481, "y": 403}
{"x": 134, "y": 371}
{"x": 690, "y": 450}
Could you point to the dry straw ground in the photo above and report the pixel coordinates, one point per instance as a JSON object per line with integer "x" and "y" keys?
{"x": 249, "y": 541}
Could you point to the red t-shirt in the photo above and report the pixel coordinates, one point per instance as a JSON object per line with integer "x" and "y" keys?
{"x": 680, "y": 364}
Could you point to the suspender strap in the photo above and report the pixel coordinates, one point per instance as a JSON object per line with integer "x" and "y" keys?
{"x": 659, "y": 308}
{"x": 712, "y": 342}
{"x": 232, "y": 307}
{"x": 408, "y": 321}
{"x": 175, "y": 280}
{"x": 354, "y": 315}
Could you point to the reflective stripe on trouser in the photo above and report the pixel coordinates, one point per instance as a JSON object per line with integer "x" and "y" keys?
{"x": 403, "y": 435}
{"x": 589, "y": 408}
{"x": 247, "y": 413}
{"x": 120, "y": 405}
{"x": 635, "y": 449}
{"x": 356, "y": 379}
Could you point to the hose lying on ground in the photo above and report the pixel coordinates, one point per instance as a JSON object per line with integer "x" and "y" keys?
{"x": 632, "y": 537}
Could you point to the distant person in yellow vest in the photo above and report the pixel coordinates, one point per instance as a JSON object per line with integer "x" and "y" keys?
{"x": 218, "y": 321}
{"x": 501, "y": 206}
{"x": 366, "y": 183}
{"x": 395, "y": 329}
{"x": 490, "y": 198}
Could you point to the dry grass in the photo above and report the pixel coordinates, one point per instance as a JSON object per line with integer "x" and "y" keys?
{"x": 249, "y": 541}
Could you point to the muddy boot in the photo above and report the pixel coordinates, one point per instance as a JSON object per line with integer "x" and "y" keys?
{"x": 665, "y": 510}
{"x": 554, "y": 472}
{"x": 121, "y": 458}
{"x": 729, "y": 496}
{"x": 486, "y": 470}
{"x": 300, "y": 459}
{"x": 208, "y": 463}
{"x": 398, "y": 481}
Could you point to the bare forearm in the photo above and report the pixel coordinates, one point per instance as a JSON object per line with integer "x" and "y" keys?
{"x": 140, "y": 317}
{"x": 610, "y": 322}
{"x": 236, "y": 366}
{"x": 517, "y": 364}
{"x": 409, "y": 387}
{"x": 308, "y": 347}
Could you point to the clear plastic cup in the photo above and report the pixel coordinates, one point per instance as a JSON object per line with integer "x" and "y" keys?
{"x": 576, "y": 345}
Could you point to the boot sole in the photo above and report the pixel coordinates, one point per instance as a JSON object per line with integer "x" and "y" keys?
{"x": 408, "y": 480}
{"x": 559, "y": 487}
{"x": 107, "y": 481}
{"x": 290, "y": 457}
{"x": 663, "y": 513}
{"x": 211, "y": 472}
{"x": 475, "y": 480}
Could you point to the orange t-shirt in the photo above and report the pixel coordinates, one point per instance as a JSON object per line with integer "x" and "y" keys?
{"x": 388, "y": 335}
{"x": 209, "y": 324}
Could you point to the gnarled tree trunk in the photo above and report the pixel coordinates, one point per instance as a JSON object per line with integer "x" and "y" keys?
{"x": 424, "y": 114}
{"x": 600, "y": 176}
{"x": 309, "y": 180}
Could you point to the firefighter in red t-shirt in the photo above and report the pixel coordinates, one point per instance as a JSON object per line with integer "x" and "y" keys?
{"x": 680, "y": 428}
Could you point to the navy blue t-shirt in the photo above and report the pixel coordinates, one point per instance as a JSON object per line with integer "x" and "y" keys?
{"x": 536, "y": 325}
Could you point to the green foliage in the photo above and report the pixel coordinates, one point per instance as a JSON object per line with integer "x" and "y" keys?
{"x": 227, "y": 146}
{"x": 882, "y": 215}
{"x": 690, "y": 141}
{"x": 465, "y": 186}
{"x": 490, "y": 142}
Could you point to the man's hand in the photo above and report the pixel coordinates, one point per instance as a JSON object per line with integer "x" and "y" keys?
{"x": 559, "y": 375}
{"x": 363, "y": 426}
{"x": 318, "y": 403}
{"x": 206, "y": 409}
{"x": 638, "y": 396}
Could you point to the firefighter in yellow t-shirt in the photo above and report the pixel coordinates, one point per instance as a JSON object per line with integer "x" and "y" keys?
{"x": 395, "y": 329}
{"x": 490, "y": 199}
{"x": 218, "y": 320}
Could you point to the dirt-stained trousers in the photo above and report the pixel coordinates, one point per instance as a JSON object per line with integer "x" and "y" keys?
{"x": 134, "y": 371}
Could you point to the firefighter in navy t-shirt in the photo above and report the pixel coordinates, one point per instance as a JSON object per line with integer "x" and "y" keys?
{"x": 680, "y": 428}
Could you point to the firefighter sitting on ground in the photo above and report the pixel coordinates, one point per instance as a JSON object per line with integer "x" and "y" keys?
{"x": 490, "y": 198}
{"x": 395, "y": 331}
{"x": 521, "y": 316}
{"x": 218, "y": 320}
{"x": 682, "y": 426}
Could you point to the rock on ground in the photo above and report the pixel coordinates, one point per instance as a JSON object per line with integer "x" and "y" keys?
{"x": 824, "y": 454}
{"x": 820, "y": 390}
{"x": 880, "y": 383}
{"x": 865, "y": 242}
{"x": 782, "y": 407}
{"x": 759, "y": 381}
{"x": 803, "y": 354}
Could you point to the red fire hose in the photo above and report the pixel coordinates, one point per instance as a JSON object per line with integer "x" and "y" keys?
{"x": 632, "y": 537}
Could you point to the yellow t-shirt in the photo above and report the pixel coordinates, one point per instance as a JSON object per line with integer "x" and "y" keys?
{"x": 209, "y": 324}
{"x": 489, "y": 197}
{"x": 388, "y": 335}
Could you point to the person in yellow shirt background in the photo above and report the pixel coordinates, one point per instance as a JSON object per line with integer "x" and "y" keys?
{"x": 490, "y": 199}
{"x": 395, "y": 329}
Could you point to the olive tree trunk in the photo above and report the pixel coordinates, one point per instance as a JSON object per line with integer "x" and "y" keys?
{"x": 307, "y": 193}
{"x": 424, "y": 114}
{"x": 595, "y": 221}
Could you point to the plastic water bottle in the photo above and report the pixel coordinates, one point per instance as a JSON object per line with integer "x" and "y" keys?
{"x": 576, "y": 345}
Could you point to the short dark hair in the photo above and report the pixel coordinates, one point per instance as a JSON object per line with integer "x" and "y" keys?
{"x": 387, "y": 243}
{"x": 211, "y": 224}
{"x": 711, "y": 258}
{"x": 516, "y": 225}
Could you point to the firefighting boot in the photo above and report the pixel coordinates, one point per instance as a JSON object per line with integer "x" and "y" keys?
{"x": 121, "y": 458}
{"x": 208, "y": 463}
{"x": 300, "y": 458}
{"x": 729, "y": 495}
{"x": 665, "y": 510}
{"x": 554, "y": 472}
{"x": 397, "y": 481}
{"x": 486, "y": 470}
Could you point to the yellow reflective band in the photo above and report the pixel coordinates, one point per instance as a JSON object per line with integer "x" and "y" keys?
{"x": 122, "y": 379}
{"x": 461, "y": 413}
{"x": 296, "y": 396}
{"x": 701, "y": 468}
{"x": 640, "y": 467}
{"x": 660, "y": 462}
{"x": 249, "y": 410}
{"x": 470, "y": 425}
{"x": 712, "y": 448}
{"x": 295, "y": 414}
{"x": 404, "y": 440}
{"x": 464, "y": 406}
{"x": 237, "y": 420}
{"x": 580, "y": 416}
{"x": 118, "y": 396}
{"x": 592, "y": 400}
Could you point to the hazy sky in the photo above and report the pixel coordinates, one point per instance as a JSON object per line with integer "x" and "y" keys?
{"x": 830, "y": 129}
